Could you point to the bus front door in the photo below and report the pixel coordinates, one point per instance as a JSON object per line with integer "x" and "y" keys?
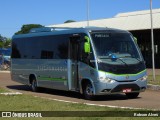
{"x": 74, "y": 56}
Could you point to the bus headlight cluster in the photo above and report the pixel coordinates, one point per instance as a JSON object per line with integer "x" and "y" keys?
{"x": 106, "y": 80}
{"x": 143, "y": 78}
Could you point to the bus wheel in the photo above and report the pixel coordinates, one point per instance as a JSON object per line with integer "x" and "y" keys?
{"x": 34, "y": 85}
{"x": 132, "y": 95}
{"x": 88, "y": 91}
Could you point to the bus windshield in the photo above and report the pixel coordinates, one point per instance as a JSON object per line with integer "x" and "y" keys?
{"x": 120, "y": 45}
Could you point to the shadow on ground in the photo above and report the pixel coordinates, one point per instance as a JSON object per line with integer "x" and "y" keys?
{"x": 70, "y": 94}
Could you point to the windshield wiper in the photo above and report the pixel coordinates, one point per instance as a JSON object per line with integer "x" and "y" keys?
{"x": 110, "y": 57}
{"x": 131, "y": 57}
{"x": 104, "y": 57}
{"x": 122, "y": 61}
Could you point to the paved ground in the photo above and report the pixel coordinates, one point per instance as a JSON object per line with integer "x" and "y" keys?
{"x": 148, "y": 99}
{"x": 157, "y": 71}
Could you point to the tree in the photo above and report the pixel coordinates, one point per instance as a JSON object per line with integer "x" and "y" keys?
{"x": 1, "y": 44}
{"x": 26, "y": 28}
{"x": 5, "y": 42}
{"x": 69, "y": 21}
{"x": 1, "y": 41}
{"x": 2, "y": 38}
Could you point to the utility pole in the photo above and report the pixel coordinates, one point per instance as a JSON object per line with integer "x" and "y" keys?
{"x": 152, "y": 40}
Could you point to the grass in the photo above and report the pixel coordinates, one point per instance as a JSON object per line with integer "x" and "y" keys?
{"x": 31, "y": 103}
{"x": 3, "y": 90}
{"x": 154, "y": 82}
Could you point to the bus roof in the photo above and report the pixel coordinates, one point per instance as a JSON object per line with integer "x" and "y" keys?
{"x": 45, "y": 31}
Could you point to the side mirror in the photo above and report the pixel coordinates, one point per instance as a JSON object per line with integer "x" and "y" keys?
{"x": 87, "y": 45}
{"x": 135, "y": 39}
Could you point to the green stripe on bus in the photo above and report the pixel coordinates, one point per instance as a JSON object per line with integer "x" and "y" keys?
{"x": 51, "y": 79}
{"x": 123, "y": 74}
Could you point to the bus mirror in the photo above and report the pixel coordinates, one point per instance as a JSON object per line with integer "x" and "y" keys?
{"x": 87, "y": 45}
{"x": 86, "y": 39}
{"x": 135, "y": 39}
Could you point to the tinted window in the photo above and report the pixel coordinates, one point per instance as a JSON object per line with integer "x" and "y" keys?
{"x": 44, "y": 47}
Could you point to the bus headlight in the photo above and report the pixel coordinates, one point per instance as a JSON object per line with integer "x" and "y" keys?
{"x": 143, "y": 78}
{"x": 106, "y": 80}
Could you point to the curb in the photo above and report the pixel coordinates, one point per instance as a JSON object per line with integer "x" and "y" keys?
{"x": 153, "y": 87}
{"x": 4, "y": 71}
{"x": 11, "y": 93}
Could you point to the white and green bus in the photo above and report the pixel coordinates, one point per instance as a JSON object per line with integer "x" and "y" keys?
{"x": 92, "y": 61}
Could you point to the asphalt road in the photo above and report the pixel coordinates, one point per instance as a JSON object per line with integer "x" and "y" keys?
{"x": 147, "y": 100}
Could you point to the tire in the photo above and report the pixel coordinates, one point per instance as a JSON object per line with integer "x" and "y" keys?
{"x": 132, "y": 95}
{"x": 34, "y": 85}
{"x": 88, "y": 91}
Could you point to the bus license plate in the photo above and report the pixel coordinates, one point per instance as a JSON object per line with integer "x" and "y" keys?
{"x": 127, "y": 90}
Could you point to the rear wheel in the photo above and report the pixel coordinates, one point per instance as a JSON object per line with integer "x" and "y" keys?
{"x": 88, "y": 91}
{"x": 132, "y": 95}
{"x": 34, "y": 85}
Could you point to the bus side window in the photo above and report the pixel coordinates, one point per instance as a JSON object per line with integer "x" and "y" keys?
{"x": 47, "y": 54}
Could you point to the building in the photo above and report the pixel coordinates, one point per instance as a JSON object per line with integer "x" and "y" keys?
{"x": 138, "y": 23}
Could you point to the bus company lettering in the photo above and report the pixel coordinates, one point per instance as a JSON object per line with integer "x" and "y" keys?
{"x": 51, "y": 68}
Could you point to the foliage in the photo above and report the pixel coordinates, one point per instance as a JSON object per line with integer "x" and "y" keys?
{"x": 26, "y": 28}
{"x": 1, "y": 44}
{"x": 7, "y": 43}
{"x": 69, "y": 21}
{"x": 4, "y": 42}
{"x": 2, "y": 38}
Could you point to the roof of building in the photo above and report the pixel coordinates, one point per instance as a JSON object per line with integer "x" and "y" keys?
{"x": 137, "y": 20}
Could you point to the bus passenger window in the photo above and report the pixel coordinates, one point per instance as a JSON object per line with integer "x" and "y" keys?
{"x": 46, "y": 54}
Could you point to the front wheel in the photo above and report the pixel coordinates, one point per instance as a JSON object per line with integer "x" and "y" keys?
{"x": 132, "y": 95}
{"x": 88, "y": 91}
{"x": 34, "y": 85}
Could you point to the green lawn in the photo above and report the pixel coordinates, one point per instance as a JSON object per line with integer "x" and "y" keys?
{"x": 154, "y": 82}
{"x": 3, "y": 90}
{"x": 31, "y": 103}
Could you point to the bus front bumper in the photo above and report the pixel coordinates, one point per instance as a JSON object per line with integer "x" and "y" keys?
{"x": 119, "y": 87}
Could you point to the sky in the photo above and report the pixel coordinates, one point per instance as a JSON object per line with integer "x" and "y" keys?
{"x": 15, "y": 13}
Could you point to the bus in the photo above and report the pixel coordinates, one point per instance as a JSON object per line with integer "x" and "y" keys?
{"x": 92, "y": 61}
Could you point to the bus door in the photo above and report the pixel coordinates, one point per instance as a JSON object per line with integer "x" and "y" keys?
{"x": 74, "y": 56}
